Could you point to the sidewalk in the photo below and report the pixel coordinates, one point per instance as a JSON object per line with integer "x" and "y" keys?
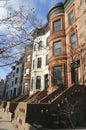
{"x": 5, "y": 123}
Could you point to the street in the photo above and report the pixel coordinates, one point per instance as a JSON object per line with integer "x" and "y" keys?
{"x": 5, "y": 123}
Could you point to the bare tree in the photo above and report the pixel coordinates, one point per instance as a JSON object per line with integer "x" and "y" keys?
{"x": 19, "y": 26}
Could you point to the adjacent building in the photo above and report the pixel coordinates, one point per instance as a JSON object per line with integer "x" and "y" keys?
{"x": 13, "y": 81}
{"x": 39, "y": 73}
{"x": 1, "y": 88}
{"x": 27, "y": 62}
{"x": 81, "y": 13}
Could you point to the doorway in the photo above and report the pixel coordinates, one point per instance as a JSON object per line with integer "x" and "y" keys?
{"x": 75, "y": 72}
{"x": 46, "y": 81}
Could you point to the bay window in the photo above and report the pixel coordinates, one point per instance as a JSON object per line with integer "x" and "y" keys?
{"x": 57, "y": 48}
{"x": 57, "y": 25}
{"x": 57, "y": 75}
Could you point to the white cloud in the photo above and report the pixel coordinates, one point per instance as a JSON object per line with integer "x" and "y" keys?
{"x": 3, "y": 13}
{"x": 3, "y": 3}
{"x": 3, "y": 10}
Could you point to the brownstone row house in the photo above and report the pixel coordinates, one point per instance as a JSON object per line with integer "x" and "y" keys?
{"x": 67, "y": 43}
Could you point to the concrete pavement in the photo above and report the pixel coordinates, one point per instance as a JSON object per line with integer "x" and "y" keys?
{"x": 5, "y": 123}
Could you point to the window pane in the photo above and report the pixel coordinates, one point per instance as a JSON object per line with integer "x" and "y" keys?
{"x": 26, "y": 71}
{"x": 13, "y": 74}
{"x": 39, "y": 62}
{"x": 32, "y": 84}
{"x": 57, "y": 48}
{"x": 28, "y": 58}
{"x": 57, "y": 25}
{"x": 33, "y": 64}
{"x": 17, "y": 70}
{"x": 12, "y": 83}
{"x": 47, "y": 41}
{"x": 40, "y": 45}
{"x": 38, "y": 82}
{"x": 46, "y": 62}
{"x": 71, "y": 17}
{"x": 25, "y": 87}
{"x": 73, "y": 41}
{"x": 35, "y": 47}
{"x": 16, "y": 80}
{"x": 57, "y": 75}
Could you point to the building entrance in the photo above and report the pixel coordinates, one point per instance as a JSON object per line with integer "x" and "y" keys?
{"x": 75, "y": 72}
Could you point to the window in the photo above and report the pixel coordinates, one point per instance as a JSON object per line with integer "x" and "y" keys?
{"x": 46, "y": 81}
{"x": 57, "y": 25}
{"x": 28, "y": 58}
{"x": 16, "y": 80}
{"x": 35, "y": 47}
{"x": 57, "y": 75}
{"x": 17, "y": 70}
{"x": 33, "y": 63}
{"x": 12, "y": 83}
{"x": 26, "y": 71}
{"x": 73, "y": 41}
{"x": 25, "y": 87}
{"x": 14, "y": 92}
{"x": 46, "y": 62}
{"x": 38, "y": 82}
{"x": 32, "y": 84}
{"x": 57, "y": 48}
{"x": 39, "y": 62}
{"x": 47, "y": 41}
{"x": 7, "y": 86}
{"x": 40, "y": 45}
{"x": 13, "y": 67}
{"x": 75, "y": 72}
{"x": 13, "y": 74}
{"x": 71, "y": 17}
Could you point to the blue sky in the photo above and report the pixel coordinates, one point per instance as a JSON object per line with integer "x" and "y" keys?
{"x": 39, "y": 7}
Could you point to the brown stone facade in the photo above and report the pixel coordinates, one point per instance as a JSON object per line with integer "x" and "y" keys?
{"x": 59, "y": 59}
{"x": 66, "y": 66}
{"x": 27, "y": 62}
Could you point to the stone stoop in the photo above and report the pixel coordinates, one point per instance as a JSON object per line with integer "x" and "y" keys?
{"x": 29, "y": 127}
{"x": 19, "y": 121}
{"x": 7, "y": 112}
{"x": 25, "y": 126}
{"x": 8, "y": 115}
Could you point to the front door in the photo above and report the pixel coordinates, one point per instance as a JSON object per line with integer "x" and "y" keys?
{"x": 46, "y": 81}
{"x": 14, "y": 92}
{"x": 75, "y": 75}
